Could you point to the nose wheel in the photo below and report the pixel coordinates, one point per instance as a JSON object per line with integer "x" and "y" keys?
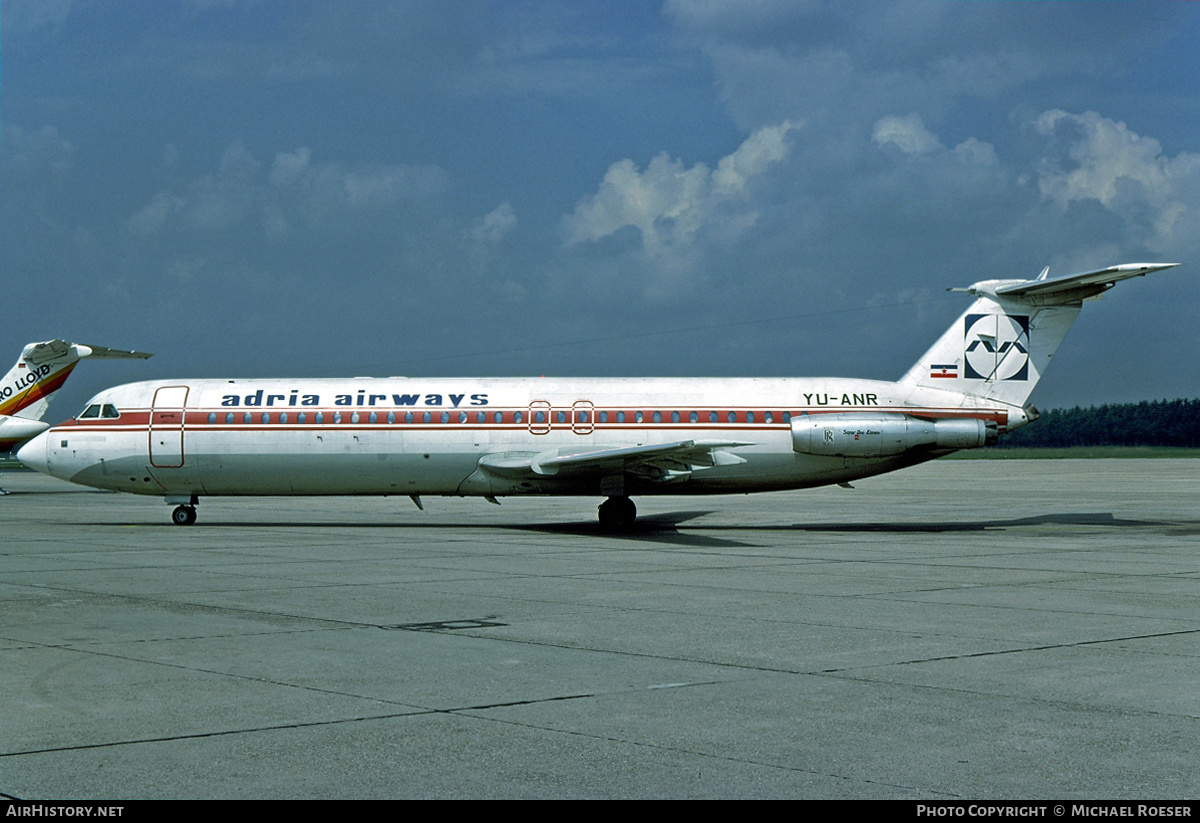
{"x": 617, "y": 513}
{"x": 183, "y": 515}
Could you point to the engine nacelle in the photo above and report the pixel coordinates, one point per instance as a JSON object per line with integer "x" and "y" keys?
{"x": 883, "y": 435}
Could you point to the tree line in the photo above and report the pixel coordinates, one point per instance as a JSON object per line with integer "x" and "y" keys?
{"x": 1149, "y": 423}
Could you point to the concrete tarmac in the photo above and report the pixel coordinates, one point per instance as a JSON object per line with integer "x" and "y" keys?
{"x": 961, "y": 630}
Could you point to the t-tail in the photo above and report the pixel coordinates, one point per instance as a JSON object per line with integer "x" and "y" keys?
{"x": 39, "y": 372}
{"x": 1002, "y": 344}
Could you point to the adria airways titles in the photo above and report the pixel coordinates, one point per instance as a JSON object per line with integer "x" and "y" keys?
{"x": 614, "y": 438}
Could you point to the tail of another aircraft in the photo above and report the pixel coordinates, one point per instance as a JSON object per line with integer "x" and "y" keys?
{"x": 1003, "y": 343}
{"x": 39, "y": 372}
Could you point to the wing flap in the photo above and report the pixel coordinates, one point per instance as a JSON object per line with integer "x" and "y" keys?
{"x": 680, "y": 456}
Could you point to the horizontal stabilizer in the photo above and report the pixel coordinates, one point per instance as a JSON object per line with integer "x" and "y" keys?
{"x": 113, "y": 354}
{"x": 38, "y": 353}
{"x": 1080, "y": 286}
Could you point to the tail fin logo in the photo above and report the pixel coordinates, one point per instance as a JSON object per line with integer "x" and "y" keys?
{"x": 996, "y": 347}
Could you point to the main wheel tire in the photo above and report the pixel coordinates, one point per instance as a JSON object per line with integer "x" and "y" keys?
{"x": 183, "y": 515}
{"x": 617, "y": 513}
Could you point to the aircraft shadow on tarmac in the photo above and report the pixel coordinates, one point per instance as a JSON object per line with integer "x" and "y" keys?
{"x": 665, "y": 527}
{"x": 677, "y": 528}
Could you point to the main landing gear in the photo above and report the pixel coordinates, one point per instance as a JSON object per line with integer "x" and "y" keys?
{"x": 185, "y": 513}
{"x": 617, "y": 513}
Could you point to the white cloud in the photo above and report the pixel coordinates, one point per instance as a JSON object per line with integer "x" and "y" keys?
{"x": 761, "y": 150}
{"x": 289, "y": 166}
{"x": 1124, "y": 171}
{"x": 495, "y": 225}
{"x": 974, "y": 152}
{"x": 151, "y": 218}
{"x": 323, "y": 188}
{"x": 671, "y": 205}
{"x": 671, "y": 222}
{"x": 295, "y": 189}
{"x": 908, "y": 133}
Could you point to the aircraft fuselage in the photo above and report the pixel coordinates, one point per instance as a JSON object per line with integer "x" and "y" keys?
{"x": 382, "y": 436}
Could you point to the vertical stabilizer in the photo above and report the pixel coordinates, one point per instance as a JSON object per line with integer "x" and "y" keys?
{"x": 41, "y": 370}
{"x": 1000, "y": 347}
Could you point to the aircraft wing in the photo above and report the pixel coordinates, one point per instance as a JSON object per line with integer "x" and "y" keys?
{"x": 1090, "y": 282}
{"x": 680, "y": 456}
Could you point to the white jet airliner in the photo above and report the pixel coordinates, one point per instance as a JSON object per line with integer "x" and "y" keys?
{"x": 39, "y": 372}
{"x": 181, "y": 439}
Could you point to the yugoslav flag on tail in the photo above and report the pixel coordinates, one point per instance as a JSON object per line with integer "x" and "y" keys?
{"x": 39, "y": 372}
{"x": 1002, "y": 344}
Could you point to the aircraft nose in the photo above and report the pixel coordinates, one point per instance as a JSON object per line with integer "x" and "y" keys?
{"x": 33, "y": 453}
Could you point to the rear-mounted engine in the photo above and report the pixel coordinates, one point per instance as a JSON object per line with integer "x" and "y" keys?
{"x": 882, "y": 435}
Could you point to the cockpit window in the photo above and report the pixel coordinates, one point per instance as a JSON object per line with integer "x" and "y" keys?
{"x": 106, "y": 411}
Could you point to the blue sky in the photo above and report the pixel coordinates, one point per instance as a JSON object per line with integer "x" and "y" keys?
{"x": 255, "y": 188}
